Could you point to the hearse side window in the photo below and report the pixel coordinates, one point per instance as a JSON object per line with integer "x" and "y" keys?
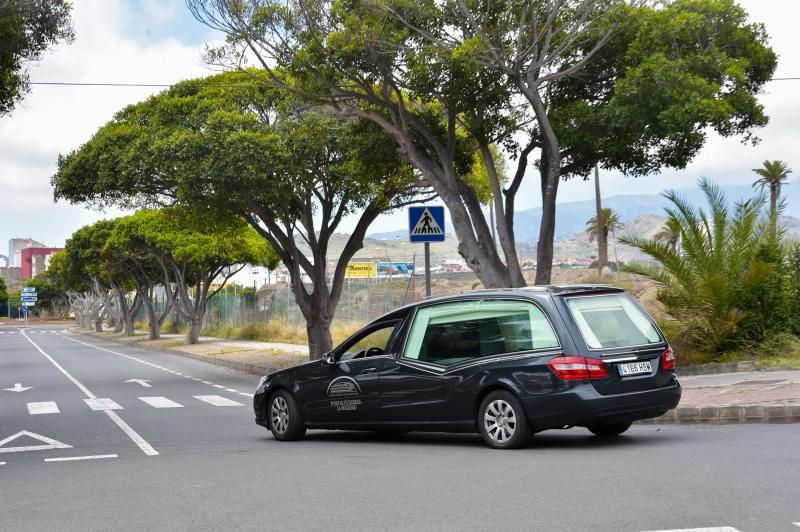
{"x": 612, "y": 320}
{"x": 450, "y": 333}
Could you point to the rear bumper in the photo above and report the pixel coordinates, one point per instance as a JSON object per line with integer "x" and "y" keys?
{"x": 582, "y": 405}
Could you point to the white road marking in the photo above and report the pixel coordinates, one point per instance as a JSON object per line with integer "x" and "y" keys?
{"x": 159, "y": 367}
{"x": 71, "y": 458}
{"x": 2, "y": 463}
{"x": 45, "y": 407}
{"x": 707, "y": 529}
{"x": 796, "y": 524}
{"x": 143, "y": 382}
{"x": 49, "y": 443}
{"x": 18, "y": 387}
{"x": 160, "y": 402}
{"x": 103, "y": 403}
{"x": 217, "y": 400}
{"x": 124, "y": 427}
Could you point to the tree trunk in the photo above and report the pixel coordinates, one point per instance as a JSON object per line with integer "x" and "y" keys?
{"x": 193, "y": 336}
{"x": 602, "y": 235}
{"x": 550, "y": 175}
{"x": 98, "y": 323}
{"x": 153, "y": 322}
{"x": 319, "y": 337}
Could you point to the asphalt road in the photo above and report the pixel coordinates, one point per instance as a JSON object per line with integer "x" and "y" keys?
{"x": 204, "y": 465}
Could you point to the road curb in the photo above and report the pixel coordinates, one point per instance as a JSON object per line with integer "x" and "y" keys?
{"x": 255, "y": 369}
{"x": 727, "y": 415}
{"x": 714, "y": 368}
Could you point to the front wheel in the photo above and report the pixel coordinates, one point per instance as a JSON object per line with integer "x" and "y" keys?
{"x": 502, "y": 422}
{"x": 285, "y": 418}
{"x": 610, "y": 430}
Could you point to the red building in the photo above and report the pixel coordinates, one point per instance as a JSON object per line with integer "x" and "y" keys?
{"x": 35, "y": 261}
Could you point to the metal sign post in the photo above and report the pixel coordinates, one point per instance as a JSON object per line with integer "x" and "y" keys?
{"x": 426, "y": 224}
{"x": 27, "y": 299}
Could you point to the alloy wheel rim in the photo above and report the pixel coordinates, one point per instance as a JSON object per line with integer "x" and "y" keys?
{"x": 500, "y": 421}
{"x": 280, "y": 414}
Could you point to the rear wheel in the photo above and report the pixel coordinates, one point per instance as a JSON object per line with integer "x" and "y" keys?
{"x": 285, "y": 418}
{"x": 502, "y": 422}
{"x": 610, "y": 430}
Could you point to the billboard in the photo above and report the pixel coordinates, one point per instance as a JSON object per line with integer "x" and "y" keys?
{"x": 361, "y": 270}
{"x": 398, "y": 269}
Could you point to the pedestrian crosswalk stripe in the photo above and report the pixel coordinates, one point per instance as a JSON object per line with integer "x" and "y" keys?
{"x": 160, "y": 402}
{"x": 44, "y": 407}
{"x": 102, "y": 404}
{"x": 217, "y": 400}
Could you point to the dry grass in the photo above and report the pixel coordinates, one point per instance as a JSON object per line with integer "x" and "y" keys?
{"x": 278, "y": 331}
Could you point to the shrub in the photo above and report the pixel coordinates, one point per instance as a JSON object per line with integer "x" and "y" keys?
{"x": 728, "y": 281}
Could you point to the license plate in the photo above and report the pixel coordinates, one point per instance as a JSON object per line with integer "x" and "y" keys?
{"x": 634, "y": 368}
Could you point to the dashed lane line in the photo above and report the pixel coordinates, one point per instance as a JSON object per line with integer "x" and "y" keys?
{"x": 124, "y": 427}
{"x": 44, "y": 407}
{"x": 73, "y": 458}
{"x": 103, "y": 403}
{"x": 160, "y": 402}
{"x": 146, "y": 363}
{"x": 217, "y": 400}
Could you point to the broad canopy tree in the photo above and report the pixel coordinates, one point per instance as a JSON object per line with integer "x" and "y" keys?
{"x": 626, "y": 84}
{"x": 240, "y": 147}
{"x": 27, "y": 29}
{"x": 195, "y": 252}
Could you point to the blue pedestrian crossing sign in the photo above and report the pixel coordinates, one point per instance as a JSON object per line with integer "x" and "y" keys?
{"x": 426, "y": 224}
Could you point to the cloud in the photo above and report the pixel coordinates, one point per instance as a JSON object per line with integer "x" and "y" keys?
{"x": 58, "y": 119}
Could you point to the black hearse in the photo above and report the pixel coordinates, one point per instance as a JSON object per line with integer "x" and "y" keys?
{"x": 504, "y": 363}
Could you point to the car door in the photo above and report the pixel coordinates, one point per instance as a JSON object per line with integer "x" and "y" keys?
{"x": 348, "y": 392}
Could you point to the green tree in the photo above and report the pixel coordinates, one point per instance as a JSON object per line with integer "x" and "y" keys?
{"x": 726, "y": 284}
{"x": 437, "y": 105}
{"x": 670, "y": 233}
{"x": 241, "y": 147}
{"x": 27, "y": 29}
{"x": 4, "y": 294}
{"x": 84, "y": 271}
{"x": 51, "y": 298}
{"x": 631, "y": 88}
{"x": 200, "y": 253}
{"x": 773, "y": 176}
{"x": 598, "y": 230}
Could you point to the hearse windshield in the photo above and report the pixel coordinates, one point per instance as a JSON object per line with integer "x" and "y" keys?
{"x": 612, "y": 320}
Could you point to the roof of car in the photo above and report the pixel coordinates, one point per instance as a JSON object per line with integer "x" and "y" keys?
{"x": 543, "y": 290}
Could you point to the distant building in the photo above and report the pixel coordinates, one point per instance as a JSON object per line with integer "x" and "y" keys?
{"x": 15, "y": 247}
{"x": 35, "y": 260}
{"x": 3, "y": 261}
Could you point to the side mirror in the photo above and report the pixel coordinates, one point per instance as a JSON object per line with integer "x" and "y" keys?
{"x": 329, "y": 358}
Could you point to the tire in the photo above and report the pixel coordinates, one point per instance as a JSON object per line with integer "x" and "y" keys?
{"x": 502, "y": 421}
{"x": 285, "y": 418}
{"x": 610, "y": 430}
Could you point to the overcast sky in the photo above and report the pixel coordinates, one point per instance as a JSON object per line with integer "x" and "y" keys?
{"x": 157, "y": 41}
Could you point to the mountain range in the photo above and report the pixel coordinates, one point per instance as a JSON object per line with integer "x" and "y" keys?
{"x": 571, "y": 216}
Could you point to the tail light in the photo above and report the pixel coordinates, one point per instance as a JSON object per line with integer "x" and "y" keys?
{"x": 668, "y": 359}
{"x": 577, "y": 368}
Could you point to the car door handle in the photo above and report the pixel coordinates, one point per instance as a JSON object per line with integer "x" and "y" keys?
{"x": 368, "y": 370}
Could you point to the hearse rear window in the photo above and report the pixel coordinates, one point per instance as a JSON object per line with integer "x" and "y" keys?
{"x": 450, "y": 333}
{"x": 612, "y": 320}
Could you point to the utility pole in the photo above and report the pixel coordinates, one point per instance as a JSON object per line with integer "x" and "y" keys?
{"x": 602, "y": 240}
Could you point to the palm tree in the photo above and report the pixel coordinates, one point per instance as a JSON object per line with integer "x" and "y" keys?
{"x": 670, "y": 233}
{"x": 702, "y": 285}
{"x": 609, "y": 221}
{"x": 774, "y": 175}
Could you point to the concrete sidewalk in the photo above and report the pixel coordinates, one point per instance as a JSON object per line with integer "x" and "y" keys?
{"x": 747, "y": 397}
{"x": 722, "y": 398}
